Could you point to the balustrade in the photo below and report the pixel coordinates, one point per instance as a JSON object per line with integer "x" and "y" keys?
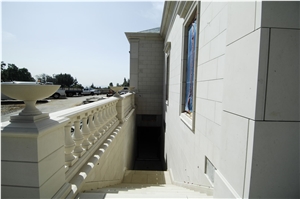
{"x": 90, "y": 123}
{"x": 87, "y": 127}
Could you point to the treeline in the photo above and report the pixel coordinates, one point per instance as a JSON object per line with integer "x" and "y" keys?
{"x": 65, "y": 80}
{"x": 125, "y": 83}
{"x": 10, "y": 72}
{"x": 13, "y": 73}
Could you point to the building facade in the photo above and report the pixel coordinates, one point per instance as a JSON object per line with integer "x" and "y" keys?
{"x": 223, "y": 79}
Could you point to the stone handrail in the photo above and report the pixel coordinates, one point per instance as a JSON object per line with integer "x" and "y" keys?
{"x": 85, "y": 129}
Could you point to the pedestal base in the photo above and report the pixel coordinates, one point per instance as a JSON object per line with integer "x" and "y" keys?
{"x": 28, "y": 119}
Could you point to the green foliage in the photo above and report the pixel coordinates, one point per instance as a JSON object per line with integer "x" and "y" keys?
{"x": 43, "y": 78}
{"x": 125, "y": 82}
{"x": 65, "y": 80}
{"x": 13, "y": 73}
{"x": 77, "y": 86}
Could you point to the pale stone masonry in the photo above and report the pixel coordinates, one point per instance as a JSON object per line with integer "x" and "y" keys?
{"x": 146, "y": 71}
{"x": 233, "y": 134}
{"x": 242, "y": 137}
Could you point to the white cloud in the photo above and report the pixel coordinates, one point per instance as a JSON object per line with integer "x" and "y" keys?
{"x": 7, "y": 36}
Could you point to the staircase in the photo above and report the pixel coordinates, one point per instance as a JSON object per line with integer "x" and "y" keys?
{"x": 143, "y": 184}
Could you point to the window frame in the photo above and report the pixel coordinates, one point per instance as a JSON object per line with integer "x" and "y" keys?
{"x": 189, "y": 118}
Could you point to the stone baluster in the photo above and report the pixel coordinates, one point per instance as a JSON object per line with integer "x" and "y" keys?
{"x": 97, "y": 124}
{"x": 78, "y": 139}
{"x": 101, "y": 121}
{"x": 85, "y": 133}
{"x": 70, "y": 159}
{"x": 106, "y": 117}
{"x": 115, "y": 111}
{"x": 110, "y": 114}
{"x": 92, "y": 128}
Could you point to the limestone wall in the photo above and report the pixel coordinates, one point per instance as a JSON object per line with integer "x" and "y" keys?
{"x": 146, "y": 71}
{"x": 246, "y": 119}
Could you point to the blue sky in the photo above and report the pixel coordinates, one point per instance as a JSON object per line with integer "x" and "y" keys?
{"x": 84, "y": 39}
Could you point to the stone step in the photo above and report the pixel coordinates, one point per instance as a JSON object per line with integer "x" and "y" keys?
{"x": 144, "y": 184}
{"x": 142, "y": 191}
{"x": 162, "y": 196}
{"x": 146, "y": 177}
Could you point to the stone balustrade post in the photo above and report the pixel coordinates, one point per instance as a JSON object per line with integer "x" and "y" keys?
{"x": 33, "y": 158}
{"x": 70, "y": 159}
{"x": 133, "y": 100}
{"x": 120, "y": 109}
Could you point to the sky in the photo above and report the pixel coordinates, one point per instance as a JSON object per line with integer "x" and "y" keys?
{"x": 84, "y": 39}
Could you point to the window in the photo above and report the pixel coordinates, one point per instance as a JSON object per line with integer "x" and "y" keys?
{"x": 189, "y": 65}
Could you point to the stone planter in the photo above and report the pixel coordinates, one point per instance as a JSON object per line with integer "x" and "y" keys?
{"x": 29, "y": 92}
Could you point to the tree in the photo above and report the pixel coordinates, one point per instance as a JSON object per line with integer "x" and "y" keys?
{"x": 13, "y": 73}
{"x": 65, "y": 80}
{"x": 125, "y": 82}
{"x": 43, "y": 78}
{"x": 111, "y": 84}
{"x": 3, "y": 74}
{"x": 92, "y": 86}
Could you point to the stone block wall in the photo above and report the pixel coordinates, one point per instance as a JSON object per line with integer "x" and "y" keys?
{"x": 146, "y": 71}
{"x": 246, "y": 120}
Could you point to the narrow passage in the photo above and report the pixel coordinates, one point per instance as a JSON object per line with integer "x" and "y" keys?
{"x": 148, "y": 149}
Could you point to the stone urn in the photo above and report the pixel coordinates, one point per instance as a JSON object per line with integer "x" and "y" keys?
{"x": 29, "y": 92}
{"x": 116, "y": 89}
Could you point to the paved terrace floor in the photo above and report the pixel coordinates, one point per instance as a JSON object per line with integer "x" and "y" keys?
{"x": 52, "y": 105}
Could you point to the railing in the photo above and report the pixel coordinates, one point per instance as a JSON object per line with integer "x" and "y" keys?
{"x": 88, "y": 124}
{"x": 85, "y": 129}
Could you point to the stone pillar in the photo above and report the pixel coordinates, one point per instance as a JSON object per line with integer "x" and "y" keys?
{"x": 134, "y": 62}
{"x": 120, "y": 109}
{"x": 32, "y": 158}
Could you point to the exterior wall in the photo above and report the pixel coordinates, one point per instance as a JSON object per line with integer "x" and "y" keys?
{"x": 247, "y": 100}
{"x": 186, "y": 149}
{"x": 146, "y": 71}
